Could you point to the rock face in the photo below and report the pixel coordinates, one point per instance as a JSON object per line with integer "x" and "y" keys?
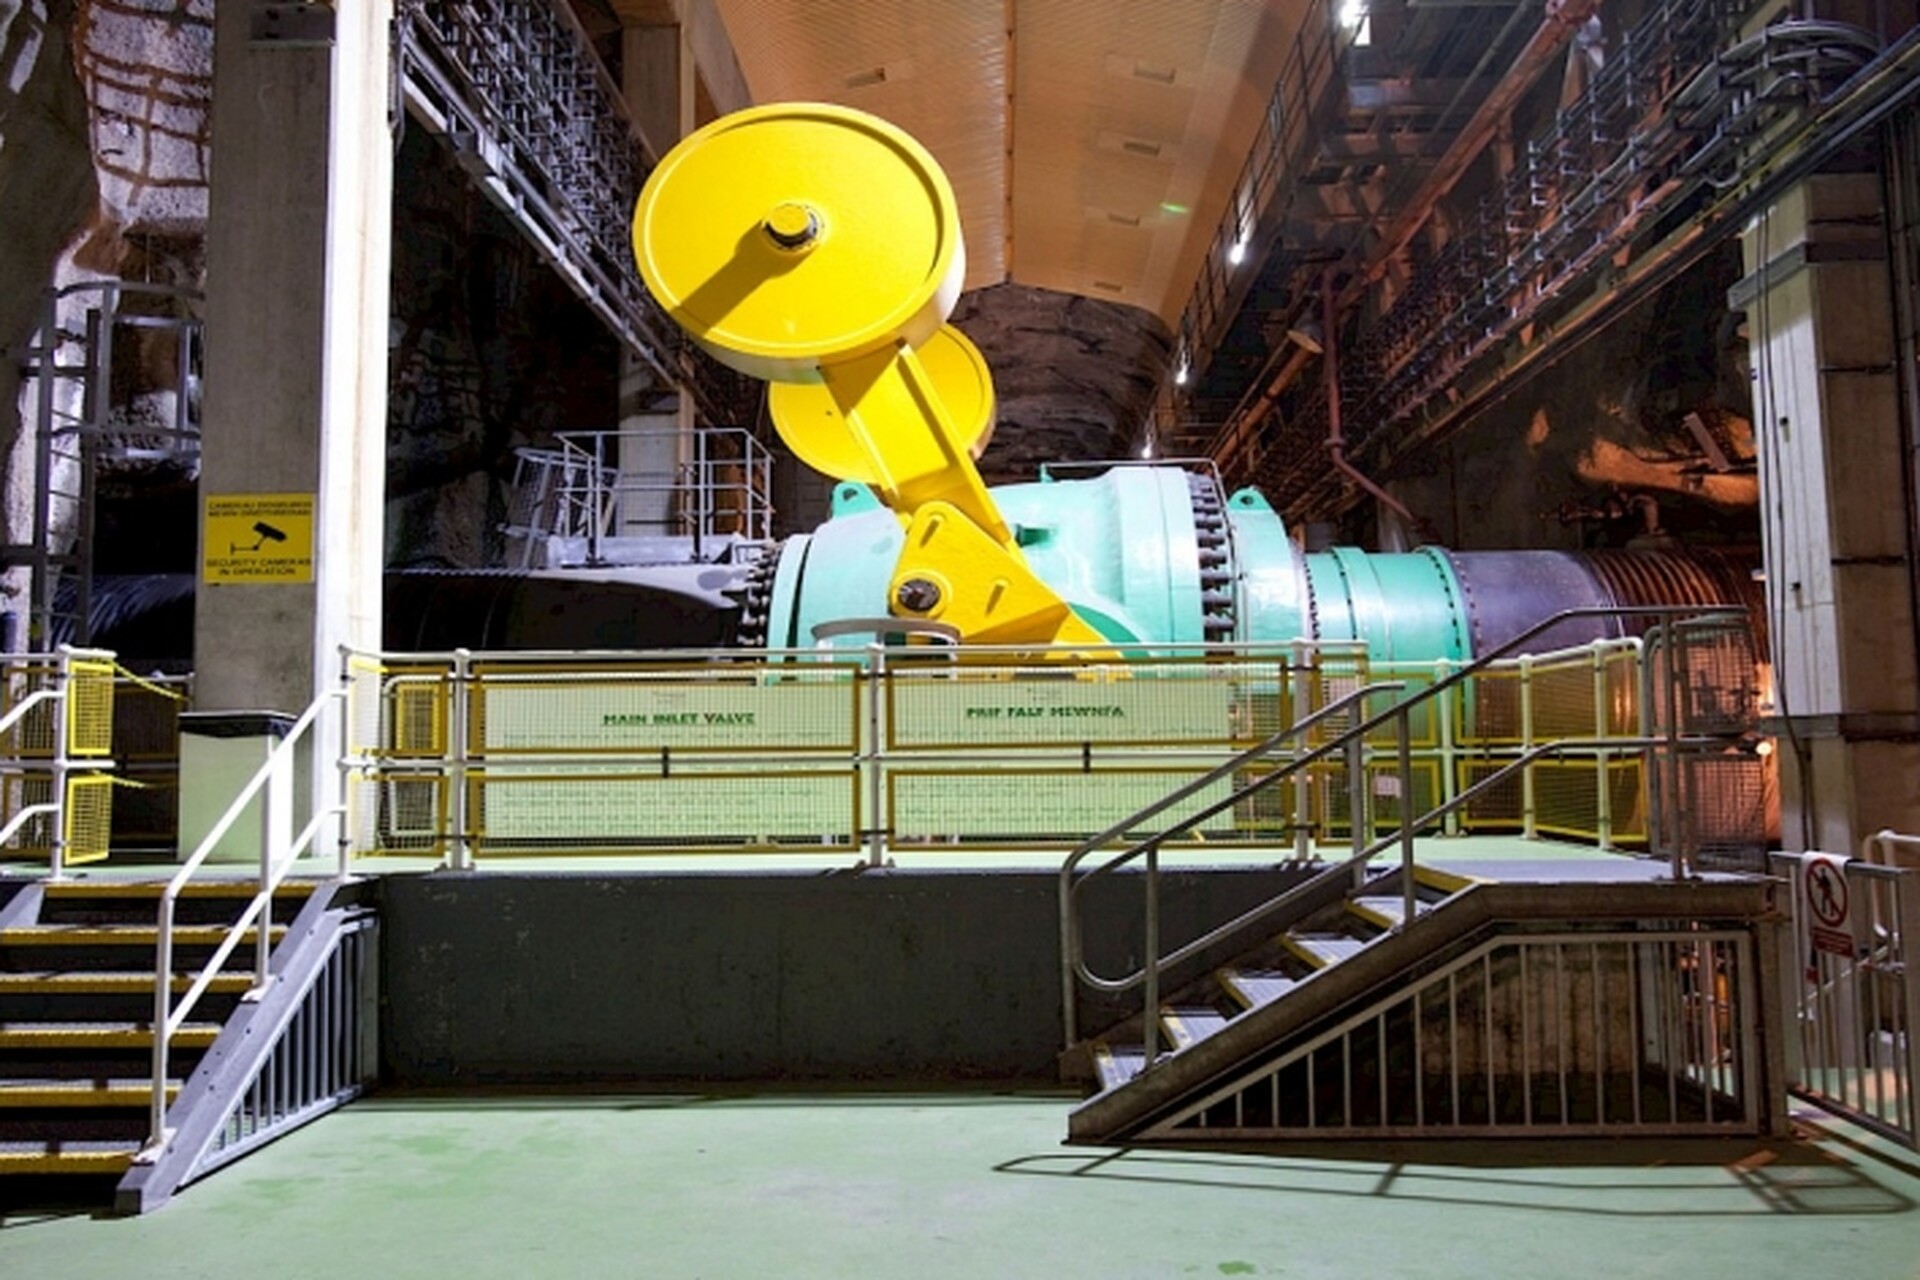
{"x": 47, "y": 190}
{"x": 1074, "y": 377}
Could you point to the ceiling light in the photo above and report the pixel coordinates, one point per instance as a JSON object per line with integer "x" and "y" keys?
{"x": 1146, "y": 450}
{"x": 1307, "y": 336}
{"x": 1237, "y": 252}
{"x": 1181, "y": 374}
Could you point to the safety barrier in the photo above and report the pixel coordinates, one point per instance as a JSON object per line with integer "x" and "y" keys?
{"x": 56, "y": 743}
{"x": 1853, "y": 1014}
{"x": 462, "y": 755}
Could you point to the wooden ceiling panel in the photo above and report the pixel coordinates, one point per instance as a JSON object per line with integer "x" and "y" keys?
{"x": 1106, "y": 167}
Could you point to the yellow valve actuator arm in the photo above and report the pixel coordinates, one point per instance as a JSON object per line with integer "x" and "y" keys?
{"x": 819, "y": 247}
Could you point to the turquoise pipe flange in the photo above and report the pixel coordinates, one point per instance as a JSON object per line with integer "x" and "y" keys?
{"x": 1408, "y": 607}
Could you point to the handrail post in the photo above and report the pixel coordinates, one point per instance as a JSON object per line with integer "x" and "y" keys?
{"x": 59, "y": 712}
{"x": 1602, "y": 758}
{"x": 1407, "y": 884}
{"x": 1150, "y": 1011}
{"x": 1358, "y": 814}
{"x": 1529, "y": 818}
{"x": 1302, "y": 784}
{"x": 1676, "y": 658}
{"x": 460, "y": 852}
{"x": 276, "y": 837}
{"x": 162, "y": 1025}
{"x": 876, "y": 756}
{"x": 1444, "y": 709}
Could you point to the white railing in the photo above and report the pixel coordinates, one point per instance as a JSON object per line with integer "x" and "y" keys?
{"x": 272, "y": 784}
{"x": 61, "y": 728}
{"x": 1853, "y": 1001}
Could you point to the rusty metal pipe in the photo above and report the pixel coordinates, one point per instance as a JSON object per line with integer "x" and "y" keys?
{"x": 1336, "y": 442}
{"x": 1563, "y": 18}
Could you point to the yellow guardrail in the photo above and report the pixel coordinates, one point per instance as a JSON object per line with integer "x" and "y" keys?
{"x": 462, "y": 755}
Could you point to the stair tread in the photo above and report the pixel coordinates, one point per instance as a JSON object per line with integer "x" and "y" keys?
{"x": 1322, "y": 949}
{"x": 1255, "y": 987}
{"x": 108, "y": 982}
{"x": 118, "y": 934}
{"x": 1186, "y": 1024}
{"x": 59, "y": 1035}
{"x": 1118, "y": 1064}
{"x": 79, "y": 1093}
{"x": 239, "y": 889}
{"x": 1390, "y": 909}
{"x": 67, "y": 1156}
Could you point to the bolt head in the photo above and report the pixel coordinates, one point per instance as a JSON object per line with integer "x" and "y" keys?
{"x": 917, "y": 595}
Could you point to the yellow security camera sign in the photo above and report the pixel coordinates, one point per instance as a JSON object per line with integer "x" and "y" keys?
{"x": 258, "y": 537}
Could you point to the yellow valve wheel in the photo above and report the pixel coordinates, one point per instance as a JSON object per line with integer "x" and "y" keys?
{"x": 789, "y": 236}
{"x": 826, "y": 438}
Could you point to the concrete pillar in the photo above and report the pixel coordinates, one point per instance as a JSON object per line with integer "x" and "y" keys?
{"x": 659, "y": 83}
{"x": 298, "y": 254}
{"x": 1833, "y": 513}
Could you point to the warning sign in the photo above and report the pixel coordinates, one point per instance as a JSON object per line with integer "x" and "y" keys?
{"x": 258, "y": 537}
{"x": 1823, "y": 888}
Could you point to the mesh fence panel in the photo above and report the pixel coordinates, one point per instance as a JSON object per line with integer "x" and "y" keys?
{"x": 1490, "y": 710}
{"x": 1054, "y": 806}
{"x": 519, "y": 710}
{"x": 1187, "y": 702}
{"x": 30, "y": 738}
{"x": 1563, "y": 700}
{"x": 1500, "y": 807}
{"x": 1724, "y": 822}
{"x": 90, "y": 688}
{"x": 572, "y": 813}
{"x": 89, "y": 818}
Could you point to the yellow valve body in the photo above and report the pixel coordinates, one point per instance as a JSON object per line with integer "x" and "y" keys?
{"x": 882, "y": 264}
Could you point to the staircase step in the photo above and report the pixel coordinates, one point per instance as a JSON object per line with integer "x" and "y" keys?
{"x": 1388, "y": 911}
{"x": 80, "y": 1093}
{"x": 1444, "y": 881}
{"x": 1118, "y": 1064}
{"x": 151, "y": 889}
{"x": 120, "y": 935}
{"x": 1255, "y": 987}
{"x": 1321, "y": 949}
{"x": 57, "y": 982}
{"x": 1190, "y": 1023}
{"x": 66, "y": 1157}
{"x": 104, "y": 1035}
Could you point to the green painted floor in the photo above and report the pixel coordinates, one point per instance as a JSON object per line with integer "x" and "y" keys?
{"x": 927, "y": 1187}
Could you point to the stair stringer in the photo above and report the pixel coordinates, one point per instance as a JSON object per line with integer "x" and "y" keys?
{"x": 23, "y": 908}
{"x": 321, "y": 1007}
{"x": 1131, "y": 1111}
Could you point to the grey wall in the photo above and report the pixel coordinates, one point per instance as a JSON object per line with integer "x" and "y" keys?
{"x": 876, "y": 976}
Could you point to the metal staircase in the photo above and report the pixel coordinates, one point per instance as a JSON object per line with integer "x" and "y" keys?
{"x": 1504, "y": 1010}
{"x": 77, "y": 983}
{"x": 1410, "y": 1001}
{"x": 1267, "y": 972}
{"x": 76, "y": 993}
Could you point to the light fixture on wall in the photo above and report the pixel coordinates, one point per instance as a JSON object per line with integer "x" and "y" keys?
{"x": 1307, "y": 335}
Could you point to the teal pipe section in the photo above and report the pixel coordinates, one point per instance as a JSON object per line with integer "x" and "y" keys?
{"x": 1408, "y": 607}
{"x": 1271, "y": 601}
{"x": 1124, "y": 550}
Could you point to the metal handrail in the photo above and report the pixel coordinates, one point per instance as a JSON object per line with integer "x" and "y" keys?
{"x": 1074, "y": 962}
{"x": 274, "y": 776}
{"x": 1073, "y": 967}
